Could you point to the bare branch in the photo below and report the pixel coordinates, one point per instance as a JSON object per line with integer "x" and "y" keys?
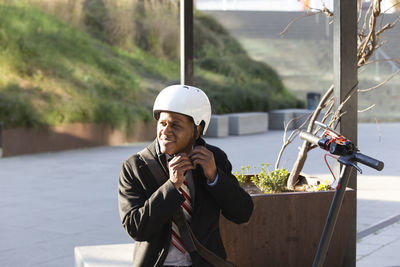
{"x": 387, "y": 26}
{"x": 368, "y": 41}
{"x": 383, "y": 13}
{"x": 302, "y": 156}
{"x": 379, "y": 129}
{"x": 382, "y": 60}
{"x": 324, "y": 11}
{"x": 339, "y": 112}
{"x": 328, "y": 112}
{"x": 367, "y": 14}
{"x": 366, "y": 109}
{"x": 319, "y": 108}
{"x": 367, "y": 47}
{"x": 380, "y": 84}
{"x": 282, "y": 33}
{"x": 359, "y": 13}
{"x": 292, "y": 136}
{"x": 387, "y": 10}
{"x": 285, "y": 144}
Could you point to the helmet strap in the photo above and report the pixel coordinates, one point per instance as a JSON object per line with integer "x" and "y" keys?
{"x": 194, "y": 133}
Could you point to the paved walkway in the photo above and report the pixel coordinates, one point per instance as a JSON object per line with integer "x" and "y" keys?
{"x": 53, "y": 202}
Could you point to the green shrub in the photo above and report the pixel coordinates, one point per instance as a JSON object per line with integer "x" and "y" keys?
{"x": 271, "y": 182}
{"x": 324, "y": 187}
{"x": 94, "y": 14}
{"x": 242, "y": 84}
{"x": 67, "y": 76}
{"x": 242, "y": 176}
{"x": 109, "y": 68}
{"x": 267, "y": 181}
{"x": 16, "y": 110}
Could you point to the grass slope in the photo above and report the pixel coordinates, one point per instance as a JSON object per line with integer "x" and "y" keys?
{"x": 52, "y": 73}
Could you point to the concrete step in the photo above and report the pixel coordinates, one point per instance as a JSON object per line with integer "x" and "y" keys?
{"x": 119, "y": 255}
{"x": 219, "y": 126}
{"x": 248, "y": 123}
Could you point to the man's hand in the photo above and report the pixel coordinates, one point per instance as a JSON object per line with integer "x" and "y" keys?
{"x": 200, "y": 155}
{"x": 178, "y": 166}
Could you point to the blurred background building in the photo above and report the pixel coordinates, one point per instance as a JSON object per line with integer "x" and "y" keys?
{"x": 303, "y": 55}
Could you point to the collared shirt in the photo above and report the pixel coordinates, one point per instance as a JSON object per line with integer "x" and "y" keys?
{"x": 174, "y": 256}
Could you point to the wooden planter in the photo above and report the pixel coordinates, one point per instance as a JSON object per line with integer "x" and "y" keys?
{"x": 285, "y": 230}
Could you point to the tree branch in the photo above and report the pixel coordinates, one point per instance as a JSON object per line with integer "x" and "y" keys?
{"x": 366, "y": 109}
{"x": 302, "y": 156}
{"x": 380, "y": 84}
{"x": 282, "y": 33}
{"x": 368, "y": 42}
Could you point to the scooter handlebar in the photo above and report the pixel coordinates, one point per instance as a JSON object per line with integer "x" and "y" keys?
{"x": 309, "y": 138}
{"x": 370, "y": 162}
{"x": 359, "y": 157}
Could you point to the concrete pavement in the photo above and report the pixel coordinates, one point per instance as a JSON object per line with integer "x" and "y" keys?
{"x": 53, "y": 202}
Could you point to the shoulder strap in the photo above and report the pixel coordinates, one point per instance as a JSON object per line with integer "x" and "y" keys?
{"x": 154, "y": 167}
{"x": 208, "y": 255}
{"x": 188, "y": 238}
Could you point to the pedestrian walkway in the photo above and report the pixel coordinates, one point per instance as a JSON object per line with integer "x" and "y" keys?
{"x": 53, "y": 202}
{"x": 380, "y": 248}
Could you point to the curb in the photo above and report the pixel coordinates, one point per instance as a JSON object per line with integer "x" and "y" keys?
{"x": 378, "y": 226}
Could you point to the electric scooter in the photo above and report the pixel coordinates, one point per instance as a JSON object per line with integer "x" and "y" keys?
{"x": 337, "y": 144}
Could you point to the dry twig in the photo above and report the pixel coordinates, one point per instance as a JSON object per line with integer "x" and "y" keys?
{"x": 380, "y": 84}
{"x": 366, "y": 109}
{"x": 368, "y": 42}
{"x": 324, "y": 11}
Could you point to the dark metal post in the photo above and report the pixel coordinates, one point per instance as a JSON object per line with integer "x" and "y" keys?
{"x": 345, "y": 80}
{"x": 186, "y": 11}
{"x": 334, "y": 210}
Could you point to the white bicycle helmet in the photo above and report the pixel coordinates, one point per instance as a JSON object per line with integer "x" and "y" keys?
{"x": 184, "y": 99}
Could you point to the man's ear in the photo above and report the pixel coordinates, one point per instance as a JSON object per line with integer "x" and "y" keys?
{"x": 199, "y": 131}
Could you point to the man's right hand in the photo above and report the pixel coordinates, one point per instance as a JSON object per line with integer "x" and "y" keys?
{"x": 178, "y": 166}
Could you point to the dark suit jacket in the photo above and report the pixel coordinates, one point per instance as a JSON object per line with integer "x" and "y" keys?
{"x": 146, "y": 208}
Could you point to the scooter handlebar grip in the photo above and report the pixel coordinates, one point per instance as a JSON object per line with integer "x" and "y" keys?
{"x": 306, "y": 136}
{"x": 371, "y": 162}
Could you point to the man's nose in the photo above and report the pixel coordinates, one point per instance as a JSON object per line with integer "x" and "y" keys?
{"x": 167, "y": 129}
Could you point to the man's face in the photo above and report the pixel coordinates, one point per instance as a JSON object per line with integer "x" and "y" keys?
{"x": 175, "y": 133}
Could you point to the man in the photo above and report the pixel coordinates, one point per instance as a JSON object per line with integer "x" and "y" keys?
{"x": 198, "y": 180}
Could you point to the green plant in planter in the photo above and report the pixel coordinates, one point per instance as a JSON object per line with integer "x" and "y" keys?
{"x": 271, "y": 181}
{"x": 324, "y": 187}
{"x": 242, "y": 177}
{"x": 266, "y": 180}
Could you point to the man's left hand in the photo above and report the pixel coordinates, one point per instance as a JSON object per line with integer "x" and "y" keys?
{"x": 200, "y": 155}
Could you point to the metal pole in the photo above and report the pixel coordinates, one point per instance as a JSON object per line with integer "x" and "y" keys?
{"x": 332, "y": 218}
{"x": 186, "y": 21}
{"x": 345, "y": 80}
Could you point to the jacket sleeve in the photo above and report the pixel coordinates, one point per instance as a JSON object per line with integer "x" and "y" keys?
{"x": 235, "y": 203}
{"x": 143, "y": 212}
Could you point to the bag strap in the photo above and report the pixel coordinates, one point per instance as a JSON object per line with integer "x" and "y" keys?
{"x": 187, "y": 236}
{"x": 155, "y": 168}
{"x": 207, "y": 254}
